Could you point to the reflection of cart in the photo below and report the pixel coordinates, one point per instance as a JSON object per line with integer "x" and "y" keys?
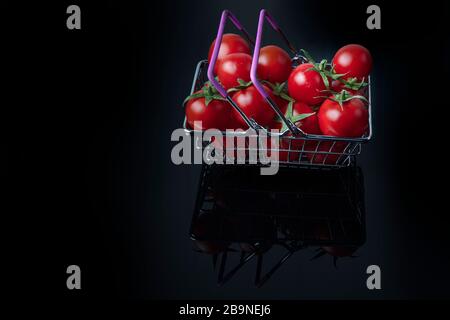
{"x": 314, "y": 150}
{"x": 241, "y": 215}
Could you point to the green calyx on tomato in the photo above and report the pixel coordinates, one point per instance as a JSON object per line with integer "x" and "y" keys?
{"x": 352, "y": 83}
{"x": 329, "y": 73}
{"x": 242, "y": 85}
{"x": 345, "y": 96}
{"x": 289, "y": 115}
{"x": 208, "y": 92}
{"x": 279, "y": 89}
{"x": 321, "y": 68}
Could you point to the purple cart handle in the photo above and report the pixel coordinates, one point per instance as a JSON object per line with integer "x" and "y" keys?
{"x": 263, "y": 15}
{"x": 225, "y": 15}
{"x": 228, "y": 15}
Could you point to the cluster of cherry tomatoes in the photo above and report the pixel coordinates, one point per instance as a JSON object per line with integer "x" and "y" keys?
{"x": 318, "y": 97}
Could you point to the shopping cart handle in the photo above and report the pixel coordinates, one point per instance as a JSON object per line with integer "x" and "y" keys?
{"x": 269, "y": 19}
{"x": 263, "y": 15}
{"x": 225, "y": 15}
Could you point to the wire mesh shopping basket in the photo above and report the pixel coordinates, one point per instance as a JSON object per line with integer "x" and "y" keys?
{"x": 294, "y": 147}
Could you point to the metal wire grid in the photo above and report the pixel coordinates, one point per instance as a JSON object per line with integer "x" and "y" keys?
{"x": 311, "y": 151}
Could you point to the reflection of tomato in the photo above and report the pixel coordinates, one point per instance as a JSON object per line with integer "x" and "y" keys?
{"x": 255, "y": 247}
{"x": 205, "y": 225}
{"x": 215, "y": 115}
{"x": 348, "y": 120}
{"x": 231, "y": 43}
{"x": 353, "y": 60}
{"x": 306, "y": 85}
{"x": 210, "y": 247}
{"x": 274, "y": 64}
{"x": 340, "y": 251}
{"x": 233, "y": 67}
{"x": 336, "y": 252}
{"x": 253, "y": 105}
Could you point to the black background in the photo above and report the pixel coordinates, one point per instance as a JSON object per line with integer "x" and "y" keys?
{"x": 86, "y": 122}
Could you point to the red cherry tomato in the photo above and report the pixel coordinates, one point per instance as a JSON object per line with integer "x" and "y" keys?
{"x": 233, "y": 67}
{"x": 253, "y": 105}
{"x": 310, "y": 124}
{"x": 214, "y": 115}
{"x": 353, "y": 60}
{"x": 274, "y": 64}
{"x": 306, "y": 85}
{"x": 231, "y": 43}
{"x": 290, "y": 148}
{"x": 350, "y": 120}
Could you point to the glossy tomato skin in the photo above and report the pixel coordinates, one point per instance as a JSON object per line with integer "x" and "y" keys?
{"x": 310, "y": 124}
{"x": 231, "y": 43}
{"x": 276, "y": 124}
{"x": 253, "y": 105}
{"x": 215, "y": 115}
{"x": 306, "y": 85}
{"x": 274, "y": 64}
{"x": 350, "y": 120}
{"x": 233, "y": 67}
{"x": 353, "y": 60}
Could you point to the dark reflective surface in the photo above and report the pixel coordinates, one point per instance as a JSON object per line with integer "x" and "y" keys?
{"x": 240, "y": 212}
{"x": 89, "y": 179}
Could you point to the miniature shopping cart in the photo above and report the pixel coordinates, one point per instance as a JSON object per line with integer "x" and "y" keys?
{"x": 242, "y": 216}
{"x": 327, "y": 151}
